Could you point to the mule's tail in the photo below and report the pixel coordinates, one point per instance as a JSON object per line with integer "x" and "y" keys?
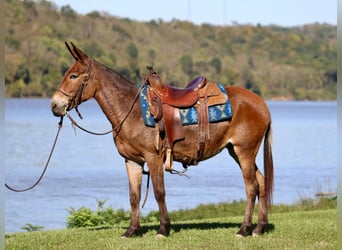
{"x": 268, "y": 165}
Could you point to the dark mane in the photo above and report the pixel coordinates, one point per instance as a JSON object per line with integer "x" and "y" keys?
{"x": 117, "y": 75}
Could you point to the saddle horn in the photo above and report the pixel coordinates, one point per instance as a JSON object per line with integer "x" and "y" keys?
{"x": 150, "y": 68}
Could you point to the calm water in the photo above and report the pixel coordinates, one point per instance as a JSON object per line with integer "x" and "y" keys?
{"x": 85, "y": 167}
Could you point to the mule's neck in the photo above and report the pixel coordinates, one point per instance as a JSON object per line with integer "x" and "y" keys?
{"x": 115, "y": 94}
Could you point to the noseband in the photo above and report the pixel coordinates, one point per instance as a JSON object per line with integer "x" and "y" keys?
{"x": 76, "y": 99}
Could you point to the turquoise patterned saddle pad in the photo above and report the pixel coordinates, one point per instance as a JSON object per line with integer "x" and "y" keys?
{"x": 189, "y": 115}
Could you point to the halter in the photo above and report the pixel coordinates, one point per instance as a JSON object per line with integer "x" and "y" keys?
{"x": 76, "y": 99}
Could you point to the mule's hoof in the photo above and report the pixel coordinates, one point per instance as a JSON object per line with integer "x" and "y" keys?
{"x": 256, "y": 234}
{"x": 124, "y": 237}
{"x": 130, "y": 232}
{"x": 160, "y": 236}
{"x": 243, "y": 232}
{"x": 259, "y": 230}
{"x": 240, "y": 236}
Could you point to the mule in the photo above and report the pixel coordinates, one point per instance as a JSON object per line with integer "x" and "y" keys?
{"x": 241, "y": 135}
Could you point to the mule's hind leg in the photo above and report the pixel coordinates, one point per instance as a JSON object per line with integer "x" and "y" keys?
{"x": 246, "y": 162}
{"x": 255, "y": 186}
{"x": 251, "y": 185}
{"x": 134, "y": 172}
{"x": 262, "y": 205}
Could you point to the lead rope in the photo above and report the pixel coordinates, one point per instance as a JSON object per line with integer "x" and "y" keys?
{"x": 147, "y": 187}
{"x": 46, "y": 165}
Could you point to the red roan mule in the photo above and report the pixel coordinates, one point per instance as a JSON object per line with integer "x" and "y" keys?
{"x": 242, "y": 135}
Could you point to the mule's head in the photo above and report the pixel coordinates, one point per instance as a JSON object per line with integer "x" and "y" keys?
{"x": 76, "y": 86}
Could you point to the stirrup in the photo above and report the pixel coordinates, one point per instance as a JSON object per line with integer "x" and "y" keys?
{"x": 169, "y": 165}
{"x": 180, "y": 173}
{"x": 169, "y": 160}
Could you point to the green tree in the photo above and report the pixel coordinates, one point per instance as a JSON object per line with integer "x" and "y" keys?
{"x": 187, "y": 64}
{"x": 23, "y": 73}
{"x": 216, "y": 63}
{"x": 132, "y": 51}
{"x": 280, "y": 60}
{"x": 248, "y": 81}
{"x": 94, "y": 49}
{"x": 68, "y": 12}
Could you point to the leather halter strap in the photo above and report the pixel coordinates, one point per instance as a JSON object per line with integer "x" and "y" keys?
{"x": 76, "y": 98}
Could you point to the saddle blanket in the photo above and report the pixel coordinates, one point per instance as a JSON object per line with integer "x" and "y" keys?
{"x": 189, "y": 115}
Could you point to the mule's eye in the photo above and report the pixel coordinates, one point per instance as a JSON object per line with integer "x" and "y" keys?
{"x": 73, "y": 76}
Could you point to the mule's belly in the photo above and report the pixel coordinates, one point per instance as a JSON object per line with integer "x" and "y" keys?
{"x": 186, "y": 150}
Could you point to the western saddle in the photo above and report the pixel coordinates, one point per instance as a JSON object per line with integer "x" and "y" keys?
{"x": 165, "y": 102}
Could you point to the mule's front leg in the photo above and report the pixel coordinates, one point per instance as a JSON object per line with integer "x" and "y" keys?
{"x": 157, "y": 176}
{"x": 134, "y": 172}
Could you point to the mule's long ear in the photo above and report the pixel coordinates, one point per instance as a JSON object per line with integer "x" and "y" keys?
{"x": 72, "y": 52}
{"x": 80, "y": 54}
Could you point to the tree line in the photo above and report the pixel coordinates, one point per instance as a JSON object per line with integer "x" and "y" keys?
{"x": 275, "y": 62}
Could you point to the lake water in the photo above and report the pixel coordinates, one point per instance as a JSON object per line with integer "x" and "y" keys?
{"x": 86, "y": 167}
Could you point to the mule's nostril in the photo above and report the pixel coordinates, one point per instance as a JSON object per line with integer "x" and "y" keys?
{"x": 53, "y": 105}
{"x": 57, "y": 108}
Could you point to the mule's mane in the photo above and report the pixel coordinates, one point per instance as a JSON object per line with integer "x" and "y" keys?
{"x": 118, "y": 77}
{"x": 115, "y": 93}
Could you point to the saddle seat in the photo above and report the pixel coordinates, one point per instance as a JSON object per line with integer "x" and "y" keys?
{"x": 178, "y": 97}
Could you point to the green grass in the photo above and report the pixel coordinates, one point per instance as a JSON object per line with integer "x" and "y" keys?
{"x": 314, "y": 229}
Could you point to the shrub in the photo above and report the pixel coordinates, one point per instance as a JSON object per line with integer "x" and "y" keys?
{"x": 85, "y": 217}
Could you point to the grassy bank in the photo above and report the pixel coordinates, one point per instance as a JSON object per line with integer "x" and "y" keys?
{"x": 294, "y": 227}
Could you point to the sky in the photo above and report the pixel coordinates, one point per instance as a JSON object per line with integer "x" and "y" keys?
{"x": 286, "y": 13}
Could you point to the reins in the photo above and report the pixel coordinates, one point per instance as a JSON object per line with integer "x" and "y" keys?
{"x": 117, "y": 128}
{"x": 46, "y": 164}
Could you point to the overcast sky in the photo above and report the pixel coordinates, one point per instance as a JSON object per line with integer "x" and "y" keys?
{"x": 216, "y": 12}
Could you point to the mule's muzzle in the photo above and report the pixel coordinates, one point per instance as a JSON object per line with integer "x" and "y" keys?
{"x": 59, "y": 106}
